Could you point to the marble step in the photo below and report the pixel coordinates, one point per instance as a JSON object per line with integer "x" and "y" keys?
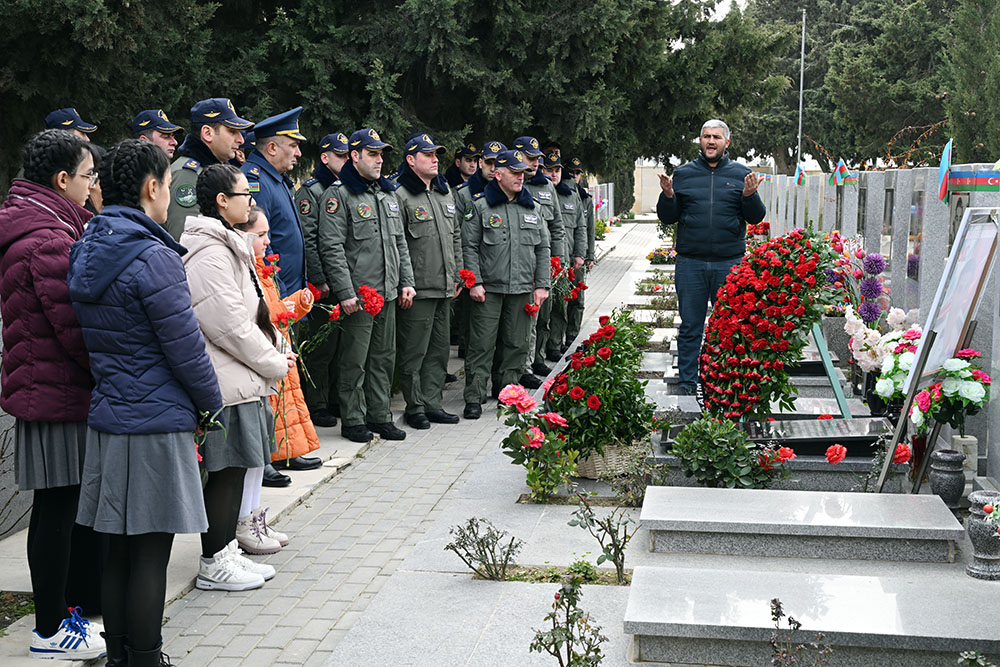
{"x": 664, "y": 398}
{"x": 800, "y": 524}
{"x": 692, "y": 616}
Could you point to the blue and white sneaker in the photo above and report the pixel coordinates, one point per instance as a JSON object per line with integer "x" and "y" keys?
{"x": 76, "y": 639}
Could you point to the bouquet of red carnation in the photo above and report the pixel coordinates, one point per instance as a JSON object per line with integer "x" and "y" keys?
{"x": 531, "y": 309}
{"x": 468, "y": 277}
{"x": 270, "y": 265}
{"x": 317, "y": 295}
{"x": 371, "y": 300}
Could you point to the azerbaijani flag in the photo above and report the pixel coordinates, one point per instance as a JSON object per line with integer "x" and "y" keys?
{"x": 943, "y": 172}
{"x": 974, "y": 181}
{"x": 800, "y": 176}
{"x": 842, "y": 172}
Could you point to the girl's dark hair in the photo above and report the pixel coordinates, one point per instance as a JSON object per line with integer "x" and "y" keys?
{"x": 222, "y": 178}
{"x": 127, "y": 167}
{"x": 51, "y": 151}
{"x": 211, "y": 181}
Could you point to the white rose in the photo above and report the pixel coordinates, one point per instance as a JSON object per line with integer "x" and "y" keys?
{"x": 950, "y": 386}
{"x": 899, "y": 379}
{"x": 887, "y": 364}
{"x": 892, "y": 337}
{"x": 906, "y": 360}
{"x": 885, "y": 388}
{"x": 972, "y": 391}
{"x": 955, "y": 365}
{"x": 896, "y": 318}
{"x": 917, "y": 417}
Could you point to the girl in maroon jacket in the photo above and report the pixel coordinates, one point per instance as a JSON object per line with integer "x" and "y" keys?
{"x": 45, "y": 378}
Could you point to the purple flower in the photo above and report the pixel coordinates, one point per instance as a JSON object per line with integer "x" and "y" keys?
{"x": 832, "y": 276}
{"x": 874, "y": 264}
{"x": 869, "y": 311}
{"x": 870, "y": 288}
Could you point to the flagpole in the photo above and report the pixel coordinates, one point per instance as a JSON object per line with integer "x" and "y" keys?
{"x": 802, "y": 70}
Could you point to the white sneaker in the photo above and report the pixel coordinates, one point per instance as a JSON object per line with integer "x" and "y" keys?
{"x": 262, "y": 569}
{"x": 75, "y": 639}
{"x": 261, "y": 516}
{"x": 251, "y": 537}
{"x": 223, "y": 573}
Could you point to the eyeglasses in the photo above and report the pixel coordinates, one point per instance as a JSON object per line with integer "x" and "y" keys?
{"x": 239, "y": 194}
{"x": 91, "y": 176}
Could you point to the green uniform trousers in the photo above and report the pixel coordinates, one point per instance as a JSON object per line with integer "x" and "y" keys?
{"x": 574, "y": 309}
{"x": 541, "y": 333}
{"x": 367, "y": 355}
{"x": 320, "y": 388}
{"x": 557, "y": 324}
{"x": 501, "y": 325}
{"x": 422, "y": 352}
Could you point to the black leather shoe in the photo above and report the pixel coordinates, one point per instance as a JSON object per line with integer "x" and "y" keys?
{"x": 472, "y": 411}
{"x": 418, "y": 421}
{"x": 356, "y": 433}
{"x": 450, "y": 377}
{"x": 298, "y": 463}
{"x": 553, "y": 355}
{"x": 565, "y": 346}
{"x": 323, "y": 418}
{"x": 529, "y": 381}
{"x": 388, "y": 431}
{"x": 275, "y": 479}
{"x": 441, "y": 417}
{"x": 540, "y": 369}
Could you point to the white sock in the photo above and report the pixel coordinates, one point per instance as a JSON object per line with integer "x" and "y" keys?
{"x": 252, "y": 482}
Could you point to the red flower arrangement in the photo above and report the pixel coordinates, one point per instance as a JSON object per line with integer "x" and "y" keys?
{"x": 835, "y": 454}
{"x": 777, "y": 291}
{"x": 335, "y": 313}
{"x": 271, "y": 265}
{"x": 468, "y": 277}
{"x": 531, "y": 309}
{"x": 372, "y": 300}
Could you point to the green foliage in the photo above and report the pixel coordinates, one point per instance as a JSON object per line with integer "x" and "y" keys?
{"x": 600, "y": 229}
{"x": 624, "y": 415}
{"x": 974, "y": 659}
{"x": 973, "y": 66}
{"x": 571, "y": 638}
{"x": 719, "y": 455}
{"x": 584, "y": 570}
{"x": 632, "y": 471}
{"x": 611, "y": 532}
{"x": 484, "y": 552}
{"x": 537, "y": 442}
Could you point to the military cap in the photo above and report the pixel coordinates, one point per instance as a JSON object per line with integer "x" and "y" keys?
{"x": 284, "y": 124}
{"x": 550, "y": 144}
{"x": 153, "y": 119}
{"x": 529, "y": 145}
{"x": 249, "y": 142}
{"x": 491, "y": 149}
{"x": 513, "y": 160}
{"x": 336, "y": 143}
{"x": 367, "y": 138}
{"x": 422, "y": 143}
{"x": 574, "y": 164}
{"x": 68, "y": 119}
{"x": 218, "y": 110}
{"x": 552, "y": 160}
{"x": 468, "y": 150}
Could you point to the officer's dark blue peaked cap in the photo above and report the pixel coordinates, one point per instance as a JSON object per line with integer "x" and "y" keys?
{"x": 367, "y": 138}
{"x": 468, "y": 150}
{"x": 281, "y": 125}
{"x": 513, "y": 160}
{"x": 249, "y": 142}
{"x": 218, "y": 110}
{"x": 153, "y": 119}
{"x": 336, "y": 142}
{"x": 575, "y": 164}
{"x": 529, "y": 145}
{"x": 491, "y": 149}
{"x": 552, "y": 160}
{"x": 68, "y": 119}
{"x": 422, "y": 143}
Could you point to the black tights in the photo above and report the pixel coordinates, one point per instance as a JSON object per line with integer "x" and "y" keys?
{"x": 50, "y": 529}
{"x": 223, "y": 494}
{"x": 135, "y": 586}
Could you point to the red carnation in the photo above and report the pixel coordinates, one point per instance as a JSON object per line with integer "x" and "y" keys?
{"x": 335, "y": 313}
{"x": 317, "y": 295}
{"x": 902, "y": 453}
{"x": 577, "y": 392}
{"x": 469, "y": 277}
{"x": 272, "y": 258}
{"x": 593, "y": 402}
{"x": 835, "y": 454}
{"x": 531, "y": 309}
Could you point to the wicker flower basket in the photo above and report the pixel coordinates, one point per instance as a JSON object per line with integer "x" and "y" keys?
{"x": 596, "y": 465}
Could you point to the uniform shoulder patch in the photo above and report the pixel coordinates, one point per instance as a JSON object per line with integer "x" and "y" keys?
{"x": 193, "y": 165}
{"x": 305, "y": 206}
{"x": 254, "y": 171}
{"x": 479, "y": 195}
{"x": 332, "y": 205}
{"x": 461, "y": 185}
{"x": 337, "y": 182}
{"x": 311, "y": 181}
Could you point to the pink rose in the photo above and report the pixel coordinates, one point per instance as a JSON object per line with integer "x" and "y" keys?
{"x": 511, "y": 394}
{"x": 924, "y": 400}
{"x": 835, "y": 454}
{"x": 535, "y": 437}
{"x": 554, "y": 419}
{"x": 526, "y": 403}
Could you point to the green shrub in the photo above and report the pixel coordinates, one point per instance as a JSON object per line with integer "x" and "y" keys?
{"x": 718, "y": 454}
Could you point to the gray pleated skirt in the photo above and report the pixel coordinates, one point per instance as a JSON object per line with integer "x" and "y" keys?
{"x": 48, "y": 454}
{"x": 248, "y": 440}
{"x": 134, "y": 484}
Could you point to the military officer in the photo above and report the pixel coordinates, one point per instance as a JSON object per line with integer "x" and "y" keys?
{"x": 153, "y": 125}
{"x": 216, "y": 134}
{"x": 434, "y": 239}
{"x": 504, "y": 242}
{"x": 574, "y": 310}
{"x": 362, "y": 243}
{"x": 69, "y": 119}
{"x": 545, "y": 194}
{"x": 463, "y": 166}
{"x": 321, "y": 393}
{"x": 275, "y": 154}
{"x": 575, "y": 228}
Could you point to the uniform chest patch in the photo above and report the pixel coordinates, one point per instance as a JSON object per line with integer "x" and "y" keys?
{"x": 495, "y": 221}
{"x": 393, "y": 207}
{"x": 305, "y": 206}
{"x": 531, "y": 219}
{"x": 364, "y": 211}
{"x": 569, "y": 207}
{"x": 253, "y": 186}
{"x": 421, "y": 213}
{"x": 450, "y": 208}
{"x": 185, "y": 196}
{"x": 547, "y": 196}
{"x": 332, "y": 205}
